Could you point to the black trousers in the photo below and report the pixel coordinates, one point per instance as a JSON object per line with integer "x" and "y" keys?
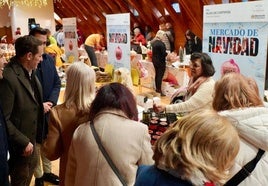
{"x": 159, "y": 73}
{"x": 92, "y": 56}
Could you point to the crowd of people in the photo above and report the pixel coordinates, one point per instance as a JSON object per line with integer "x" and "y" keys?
{"x": 97, "y": 134}
{"x": 140, "y": 37}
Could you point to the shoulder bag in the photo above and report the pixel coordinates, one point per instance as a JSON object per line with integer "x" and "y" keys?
{"x": 105, "y": 154}
{"x": 245, "y": 171}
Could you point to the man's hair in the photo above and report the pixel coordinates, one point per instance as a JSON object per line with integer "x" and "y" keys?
{"x": 38, "y": 30}
{"x": 58, "y": 27}
{"x": 26, "y": 44}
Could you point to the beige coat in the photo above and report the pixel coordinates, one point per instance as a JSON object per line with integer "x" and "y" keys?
{"x": 62, "y": 124}
{"x": 126, "y": 141}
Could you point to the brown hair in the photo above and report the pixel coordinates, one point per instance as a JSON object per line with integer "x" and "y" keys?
{"x": 233, "y": 91}
{"x": 114, "y": 96}
{"x": 26, "y": 44}
{"x": 206, "y": 63}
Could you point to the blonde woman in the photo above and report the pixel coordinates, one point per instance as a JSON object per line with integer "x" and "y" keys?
{"x": 237, "y": 97}
{"x": 197, "y": 150}
{"x": 65, "y": 118}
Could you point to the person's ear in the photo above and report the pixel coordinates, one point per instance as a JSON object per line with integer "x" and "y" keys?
{"x": 29, "y": 56}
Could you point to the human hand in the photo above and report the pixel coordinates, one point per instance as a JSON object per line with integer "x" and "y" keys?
{"x": 28, "y": 149}
{"x": 158, "y": 108}
{"x": 47, "y": 106}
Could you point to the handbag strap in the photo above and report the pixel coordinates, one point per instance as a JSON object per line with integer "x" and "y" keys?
{"x": 245, "y": 170}
{"x": 105, "y": 154}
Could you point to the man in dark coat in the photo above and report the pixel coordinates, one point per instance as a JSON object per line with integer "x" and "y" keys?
{"x": 50, "y": 81}
{"x": 21, "y": 98}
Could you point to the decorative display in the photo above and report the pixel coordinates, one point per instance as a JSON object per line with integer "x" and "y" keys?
{"x": 118, "y": 53}
{"x": 241, "y": 39}
{"x": 118, "y": 40}
{"x": 70, "y": 39}
{"x": 38, "y": 3}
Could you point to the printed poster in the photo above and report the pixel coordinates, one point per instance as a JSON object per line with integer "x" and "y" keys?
{"x": 237, "y": 33}
{"x": 118, "y": 40}
{"x": 70, "y": 39}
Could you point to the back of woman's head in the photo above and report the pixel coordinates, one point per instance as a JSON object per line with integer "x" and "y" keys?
{"x": 160, "y": 34}
{"x": 234, "y": 91}
{"x": 80, "y": 86}
{"x": 202, "y": 142}
{"x": 190, "y": 34}
{"x": 206, "y": 63}
{"x": 114, "y": 96}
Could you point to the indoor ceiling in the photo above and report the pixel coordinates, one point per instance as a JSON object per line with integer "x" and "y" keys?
{"x": 91, "y": 14}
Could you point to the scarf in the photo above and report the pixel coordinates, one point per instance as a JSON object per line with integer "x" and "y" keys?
{"x": 194, "y": 85}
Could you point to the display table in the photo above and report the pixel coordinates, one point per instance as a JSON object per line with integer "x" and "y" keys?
{"x": 173, "y": 75}
{"x": 8, "y": 50}
{"x": 177, "y": 74}
{"x": 159, "y": 123}
{"x": 102, "y": 58}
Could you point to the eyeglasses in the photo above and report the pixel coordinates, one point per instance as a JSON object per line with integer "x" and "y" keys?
{"x": 194, "y": 65}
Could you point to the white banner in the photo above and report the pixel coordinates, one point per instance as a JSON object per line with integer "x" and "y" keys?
{"x": 70, "y": 39}
{"x": 236, "y": 34}
{"x": 118, "y": 39}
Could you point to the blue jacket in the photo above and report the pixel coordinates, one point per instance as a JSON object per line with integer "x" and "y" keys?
{"x": 3, "y": 137}
{"x": 152, "y": 176}
{"x": 3, "y": 151}
{"x": 50, "y": 82}
{"x": 49, "y": 79}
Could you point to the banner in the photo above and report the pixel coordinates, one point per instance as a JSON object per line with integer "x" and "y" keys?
{"x": 70, "y": 39}
{"x": 118, "y": 40}
{"x": 235, "y": 35}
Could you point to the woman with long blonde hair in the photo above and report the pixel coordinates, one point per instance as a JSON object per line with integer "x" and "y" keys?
{"x": 66, "y": 117}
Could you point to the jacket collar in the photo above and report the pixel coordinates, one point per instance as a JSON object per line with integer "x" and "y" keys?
{"x": 112, "y": 112}
{"x": 23, "y": 79}
{"x": 196, "y": 177}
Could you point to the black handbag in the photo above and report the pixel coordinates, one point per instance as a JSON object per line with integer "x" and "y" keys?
{"x": 245, "y": 171}
{"x": 105, "y": 154}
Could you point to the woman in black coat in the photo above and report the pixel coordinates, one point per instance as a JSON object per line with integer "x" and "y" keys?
{"x": 193, "y": 43}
